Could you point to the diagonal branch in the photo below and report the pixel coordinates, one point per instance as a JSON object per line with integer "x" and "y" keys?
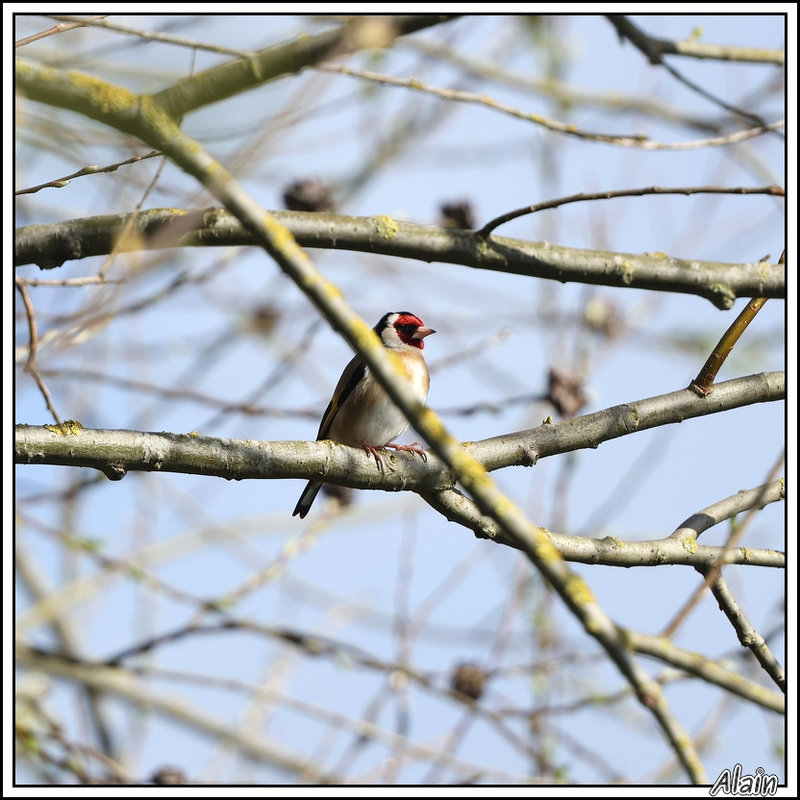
{"x": 708, "y": 670}
{"x": 748, "y": 635}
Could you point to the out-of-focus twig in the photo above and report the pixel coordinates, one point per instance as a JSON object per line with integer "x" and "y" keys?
{"x": 76, "y": 23}
{"x": 33, "y": 343}
{"x": 92, "y": 169}
{"x": 653, "y": 49}
{"x": 635, "y": 140}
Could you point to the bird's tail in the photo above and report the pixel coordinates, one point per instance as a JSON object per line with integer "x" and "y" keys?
{"x": 306, "y": 499}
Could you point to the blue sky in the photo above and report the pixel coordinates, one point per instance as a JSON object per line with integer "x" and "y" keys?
{"x": 389, "y": 576}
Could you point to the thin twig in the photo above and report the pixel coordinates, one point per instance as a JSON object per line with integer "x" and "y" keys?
{"x": 650, "y": 47}
{"x": 92, "y": 169}
{"x": 82, "y": 23}
{"x": 704, "y": 382}
{"x": 33, "y": 343}
{"x": 365, "y": 729}
{"x": 694, "y": 48}
{"x": 775, "y": 191}
{"x": 563, "y": 93}
{"x": 316, "y": 646}
{"x": 122, "y": 566}
{"x": 118, "y": 245}
{"x": 225, "y": 407}
{"x": 87, "y": 280}
{"x": 30, "y": 573}
{"x": 622, "y": 140}
{"x": 152, "y": 36}
{"x": 124, "y": 685}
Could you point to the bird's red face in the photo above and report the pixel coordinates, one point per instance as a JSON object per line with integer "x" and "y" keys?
{"x": 411, "y": 330}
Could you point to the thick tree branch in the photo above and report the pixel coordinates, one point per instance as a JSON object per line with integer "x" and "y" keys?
{"x": 51, "y": 245}
{"x": 222, "y": 81}
{"x": 614, "y": 552}
{"x": 115, "y": 452}
{"x": 239, "y": 74}
{"x": 591, "y": 430}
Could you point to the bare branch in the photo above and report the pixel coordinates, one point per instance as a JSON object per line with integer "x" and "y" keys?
{"x": 31, "y": 366}
{"x": 721, "y": 283}
{"x": 115, "y": 452}
{"x": 703, "y": 384}
{"x": 775, "y": 191}
{"x": 694, "y": 48}
{"x": 636, "y": 140}
{"x": 122, "y": 683}
{"x": 696, "y": 664}
{"x": 92, "y": 169}
{"x": 714, "y": 572}
{"x": 152, "y": 36}
{"x": 217, "y": 83}
{"x": 746, "y": 631}
{"x": 613, "y": 552}
{"x": 156, "y": 121}
{"x": 78, "y": 23}
{"x": 653, "y": 49}
{"x": 563, "y": 93}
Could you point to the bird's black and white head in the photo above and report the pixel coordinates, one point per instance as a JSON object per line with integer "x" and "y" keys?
{"x": 401, "y": 329}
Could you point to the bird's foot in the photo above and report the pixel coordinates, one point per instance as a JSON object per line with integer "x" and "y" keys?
{"x": 409, "y": 448}
{"x": 375, "y": 452}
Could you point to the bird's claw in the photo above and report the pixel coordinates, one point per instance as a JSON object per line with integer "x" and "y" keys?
{"x": 375, "y": 452}
{"x": 410, "y": 448}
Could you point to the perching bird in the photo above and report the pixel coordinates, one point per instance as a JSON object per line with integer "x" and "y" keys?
{"x": 360, "y": 412}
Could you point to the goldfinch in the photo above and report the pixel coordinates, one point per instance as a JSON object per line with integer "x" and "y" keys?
{"x": 360, "y": 413}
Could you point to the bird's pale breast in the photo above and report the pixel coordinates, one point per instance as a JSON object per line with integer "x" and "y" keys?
{"x": 377, "y": 420}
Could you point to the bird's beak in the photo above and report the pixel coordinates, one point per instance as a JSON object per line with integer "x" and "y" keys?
{"x": 421, "y": 333}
